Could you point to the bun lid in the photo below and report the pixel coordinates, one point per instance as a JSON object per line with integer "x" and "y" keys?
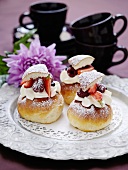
{"x": 35, "y": 71}
{"x": 80, "y": 61}
{"x": 87, "y": 79}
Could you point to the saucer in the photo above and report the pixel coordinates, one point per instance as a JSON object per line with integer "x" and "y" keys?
{"x": 65, "y": 46}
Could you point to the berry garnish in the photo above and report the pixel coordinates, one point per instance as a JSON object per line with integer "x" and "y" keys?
{"x": 101, "y": 88}
{"x": 38, "y": 85}
{"x": 47, "y": 84}
{"x": 22, "y": 82}
{"x": 97, "y": 95}
{"x": 92, "y": 89}
{"x": 82, "y": 94}
{"x": 71, "y": 71}
{"x": 28, "y": 84}
{"x": 53, "y": 83}
{"x": 85, "y": 69}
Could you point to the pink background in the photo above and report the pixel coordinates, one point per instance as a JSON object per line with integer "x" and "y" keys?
{"x": 9, "y": 15}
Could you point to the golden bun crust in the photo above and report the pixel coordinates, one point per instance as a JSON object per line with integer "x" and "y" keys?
{"x": 89, "y": 119}
{"x": 68, "y": 91}
{"x": 43, "y": 110}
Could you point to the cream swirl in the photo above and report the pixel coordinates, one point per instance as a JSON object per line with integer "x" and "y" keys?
{"x": 90, "y": 100}
{"x": 64, "y": 77}
{"x": 30, "y": 94}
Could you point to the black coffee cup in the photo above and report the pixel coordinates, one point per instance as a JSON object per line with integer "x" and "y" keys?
{"x": 98, "y": 29}
{"x": 103, "y": 54}
{"x": 49, "y": 19}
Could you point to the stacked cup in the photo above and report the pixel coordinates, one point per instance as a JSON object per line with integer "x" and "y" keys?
{"x": 94, "y": 35}
{"x": 49, "y": 19}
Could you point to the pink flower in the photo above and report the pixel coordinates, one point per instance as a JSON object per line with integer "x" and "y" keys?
{"x": 36, "y": 54}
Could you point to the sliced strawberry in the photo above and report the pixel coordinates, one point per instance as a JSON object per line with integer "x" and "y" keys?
{"x": 47, "y": 84}
{"x": 97, "y": 95}
{"x": 28, "y": 83}
{"x": 81, "y": 70}
{"x": 92, "y": 89}
{"x": 22, "y": 82}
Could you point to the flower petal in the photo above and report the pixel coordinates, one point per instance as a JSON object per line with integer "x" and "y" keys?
{"x": 18, "y": 63}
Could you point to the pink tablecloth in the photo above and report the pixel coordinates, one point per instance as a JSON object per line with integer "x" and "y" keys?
{"x": 9, "y": 14}
{"x": 11, "y": 9}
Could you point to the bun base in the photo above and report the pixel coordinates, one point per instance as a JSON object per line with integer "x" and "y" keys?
{"x": 41, "y": 110}
{"x": 89, "y": 119}
{"x": 68, "y": 91}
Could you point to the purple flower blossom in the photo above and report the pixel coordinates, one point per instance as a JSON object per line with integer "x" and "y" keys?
{"x": 36, "y": 54}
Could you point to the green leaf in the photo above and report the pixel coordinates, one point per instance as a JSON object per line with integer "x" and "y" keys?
{"x": 3, "y": 70}
{"x": 3, "y": 67}
{"x": 101, "y": 103}
{"x": 23, "y": 40}
{"x": 3, "y": 79}
{"x": 7, "y": 53}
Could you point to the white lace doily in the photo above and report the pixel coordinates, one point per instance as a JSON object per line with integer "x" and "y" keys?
{"x": 112, "y": 144}
{"x": 61, "y": 129}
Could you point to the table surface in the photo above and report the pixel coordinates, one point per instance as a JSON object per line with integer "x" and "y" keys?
{"x": 9, "y": 16}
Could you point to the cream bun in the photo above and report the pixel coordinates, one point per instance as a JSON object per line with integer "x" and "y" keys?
{"x": 40, "y": 99}
{"x": 69, "y": 77}
{"x": 91, "y": 108}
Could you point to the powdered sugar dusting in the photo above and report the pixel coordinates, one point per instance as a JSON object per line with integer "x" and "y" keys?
{"x": 76, "y": 59}
{"x": 20, "y": 100}
{"x": 39, "y": 84}
{"x": 87, "y": 78}
{"x": 63, "y": 131}
{"x": 46, "y": 103}
{"x": 82, "y": 111}
{"x": 38, "y": 68}
{"x": 74, "y": 86}
{"x": 90, "y": 112}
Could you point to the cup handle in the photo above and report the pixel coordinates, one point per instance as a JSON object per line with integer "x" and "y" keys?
{"x": 125, "y": 52}
{"x": 22, "y": 16}
{"x": 122, "y": 17}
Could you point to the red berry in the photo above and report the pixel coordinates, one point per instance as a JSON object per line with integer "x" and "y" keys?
{"x": 82, "y": 94}
{"x": 92, "y": 89}
{"x": 28, "y": 83}
{"x": 97, "y": 95}
{"x": 71, "y": 71}
{"x": 47, "y": 84}
{"x": 52, "y": 83}
{"x": 101, "y": 88}
{"x": 38, "y": 85}
{"x": 85, "y": 69}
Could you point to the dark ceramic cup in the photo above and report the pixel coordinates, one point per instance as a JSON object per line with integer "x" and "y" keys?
{"x": 98, "y": 29}
{"x": 49, "y": 19}
{"x": 103, "y": 54}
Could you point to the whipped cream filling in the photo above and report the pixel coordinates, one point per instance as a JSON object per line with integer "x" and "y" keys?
{"x": 30, "y": 94}
{"x": 64, "y": 77}
{"x": 88, "y": 101}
